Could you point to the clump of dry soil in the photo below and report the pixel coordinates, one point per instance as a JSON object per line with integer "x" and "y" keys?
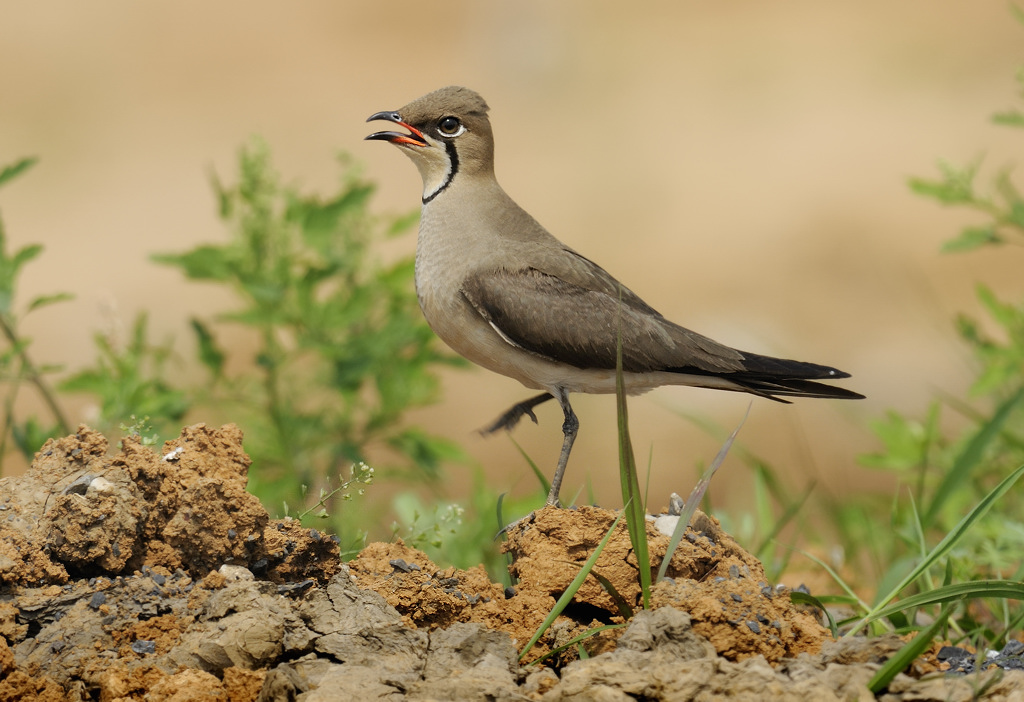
{"x": 158, "y": 577}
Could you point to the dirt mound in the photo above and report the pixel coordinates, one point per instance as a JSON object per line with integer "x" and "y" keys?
{"x": 156, "y": 576}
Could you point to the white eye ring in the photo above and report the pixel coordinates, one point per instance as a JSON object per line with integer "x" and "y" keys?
{"x": 450, "y": 135}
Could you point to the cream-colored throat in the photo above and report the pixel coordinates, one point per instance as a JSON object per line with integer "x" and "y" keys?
{"x": 437, "y": 168}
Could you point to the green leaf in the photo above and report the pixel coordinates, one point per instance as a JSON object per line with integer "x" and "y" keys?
{"x": 956, "y": 188}
{"x": 202, "y": 263}
{"x": 44, "y": 300}
{"x": 972, "y": 238}
{"x": 210, "y": 354}
{"x": 1006, "y": 314}
{"x": 906, "y": 441}
{"x": 17, "y": 168}
{"x": 24, "y": 255}
{"x": 1017, "y": 12}
{"x": 1010, "y": 118}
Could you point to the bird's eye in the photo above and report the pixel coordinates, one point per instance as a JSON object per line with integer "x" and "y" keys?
{"x": 450, "y": 126}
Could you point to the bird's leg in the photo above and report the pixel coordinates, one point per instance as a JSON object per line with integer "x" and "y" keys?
{"x": 511, "y": 418}
{"x": 570, "y": 427}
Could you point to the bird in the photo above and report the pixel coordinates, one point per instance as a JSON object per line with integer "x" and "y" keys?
{"x": 503, "y": 292}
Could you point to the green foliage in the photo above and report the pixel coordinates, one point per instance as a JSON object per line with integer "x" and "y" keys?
{"x": 334, "y": 351}
{"x": 341, "y": 350}
{"x": 959, "y": 496}
{"x": 130, "y": 379}
{"x": 16, "y": 366}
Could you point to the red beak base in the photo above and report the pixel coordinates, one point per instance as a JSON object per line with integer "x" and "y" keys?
{"x": 415, "y": 138}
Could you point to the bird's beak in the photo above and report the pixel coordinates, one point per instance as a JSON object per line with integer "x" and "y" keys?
{"x": 416, "y": 138}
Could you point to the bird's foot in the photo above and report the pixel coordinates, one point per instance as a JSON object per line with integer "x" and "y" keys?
{"x": 510, "y": 419}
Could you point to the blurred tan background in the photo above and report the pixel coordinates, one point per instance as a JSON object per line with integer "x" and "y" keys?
{"x": 740, "y": 165}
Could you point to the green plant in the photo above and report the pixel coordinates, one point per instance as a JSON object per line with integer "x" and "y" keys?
{"x": 16, "y": 366}
{"x": 130, "y": 379}
{"x": 956, "y": 528}
{"x": 341, "y": 350}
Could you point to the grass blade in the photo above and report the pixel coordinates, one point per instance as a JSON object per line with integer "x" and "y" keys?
{"x": 697, "y": 494}
{"x": 1004, "y": 589}
{"x": 636, "y": 516}
{"x": 545, "y": 486}
{"x": 620, "y": 602}
{"x": 835, "y": 576}
{"x": 970, "y": 456}
{"x": 577, "y": 639}
{"x": 907, "y": 654}
{"x": 782, "y": 522}
{"x": 570, "y": 591}
{"x": 806, "y": 598}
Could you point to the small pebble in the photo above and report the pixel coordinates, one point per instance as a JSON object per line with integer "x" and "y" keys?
{"x": 296, "y": 588}
{"x": 143, "y": 647}
{"x": 97, "y": 600}
{"x": 1013, "y": 648}
{"x": 754, "y": 627}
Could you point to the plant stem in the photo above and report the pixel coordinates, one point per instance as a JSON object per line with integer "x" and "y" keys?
{"x": 34, "y": 376}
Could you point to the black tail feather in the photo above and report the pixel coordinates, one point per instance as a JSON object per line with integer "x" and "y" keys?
{"x": 770, "y": 377}
{"x": 772, "y": 388}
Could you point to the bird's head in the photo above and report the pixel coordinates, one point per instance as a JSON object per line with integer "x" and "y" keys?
{"x": 448, "y": 136}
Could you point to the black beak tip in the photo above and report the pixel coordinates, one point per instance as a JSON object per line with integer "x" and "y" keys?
{"x": 389, "y": 115}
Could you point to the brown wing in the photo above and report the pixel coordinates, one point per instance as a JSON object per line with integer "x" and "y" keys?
{"x": 579, "y": 321}
{"x": 579, "y": 326}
